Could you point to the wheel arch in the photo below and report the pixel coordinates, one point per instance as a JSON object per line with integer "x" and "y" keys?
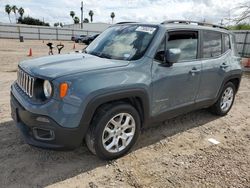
{"x": 138, "y": 98}
{"x": 236, "y": 82}
{"x": 235, "y": 79}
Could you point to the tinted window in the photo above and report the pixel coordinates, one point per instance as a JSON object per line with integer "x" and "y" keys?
{"x": 226, "y": 42}
{"x": 233, "y": 43}
{"x": 186, "y": 41}
{"x": 212, "y": 45}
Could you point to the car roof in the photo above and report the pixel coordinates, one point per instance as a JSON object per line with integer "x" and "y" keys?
{"x": 196, "y": 27}
{"x": 172, "y": 26}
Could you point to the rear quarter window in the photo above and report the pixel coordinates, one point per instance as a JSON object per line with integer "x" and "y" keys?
{"x": 234, "y": 47}
{"x": 226, "y": 40}
{"x": 212, "y": 44}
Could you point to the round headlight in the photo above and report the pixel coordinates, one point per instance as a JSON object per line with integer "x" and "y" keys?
{"x": 47, "y": 88}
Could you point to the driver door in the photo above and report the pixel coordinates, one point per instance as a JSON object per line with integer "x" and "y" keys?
{"x": 176, "y": 87}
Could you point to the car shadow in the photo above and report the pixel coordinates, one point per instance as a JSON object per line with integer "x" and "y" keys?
{"x": 173, "y": 126}
{"x": 29, "y": 166}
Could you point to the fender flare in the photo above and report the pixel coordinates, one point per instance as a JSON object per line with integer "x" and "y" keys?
{"x": 233, "y": 76}
{"x": 106, "y": 97}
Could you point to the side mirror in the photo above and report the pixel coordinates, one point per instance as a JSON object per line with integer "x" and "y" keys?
{"x": 172, "y": 56}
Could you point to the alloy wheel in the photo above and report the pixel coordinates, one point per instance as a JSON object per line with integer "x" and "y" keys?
{"x": 118, "y": 132}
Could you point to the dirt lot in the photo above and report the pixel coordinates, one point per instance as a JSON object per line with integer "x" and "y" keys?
{"x": 176, "y": 154}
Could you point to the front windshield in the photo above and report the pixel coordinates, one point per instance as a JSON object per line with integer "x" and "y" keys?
{"x": 123, "y": 42}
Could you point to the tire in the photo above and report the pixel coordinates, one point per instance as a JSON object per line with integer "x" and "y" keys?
{"x": 221, "y": 108}
{"x": 103, "y": 134}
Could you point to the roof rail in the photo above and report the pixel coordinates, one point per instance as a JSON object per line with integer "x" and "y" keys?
{"x": 193, "y": 22}
{"x": 125, "y": 23}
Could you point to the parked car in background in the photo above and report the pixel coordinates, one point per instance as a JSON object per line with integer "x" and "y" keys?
{"x": 88, "y": 39}
{"x": 73, "y": 37}
{"x": 78, "y": 38}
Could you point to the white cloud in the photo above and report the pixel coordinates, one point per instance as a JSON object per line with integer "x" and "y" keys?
{"x": 125, "y": 10}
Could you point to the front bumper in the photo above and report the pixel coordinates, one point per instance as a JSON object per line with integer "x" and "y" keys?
{"x": 42, "y": 131}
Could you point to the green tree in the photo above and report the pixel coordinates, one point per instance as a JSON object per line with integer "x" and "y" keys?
{"x": 86, "y": 20}
{"x": 8, "y": 11}
{"x": 14, "y": 9}
{"x": 76, "y": 20}
{"x": 21, "y": 11}
{"x": 56, "y": 24}
{"x": 61, "y": 24}
{"x": 72, "y": 14}
{"x": 112, "y": 15}
{"x": 32, "y": 21}
{"x": 91, "y": 14}
{"x": 242, "y": 26}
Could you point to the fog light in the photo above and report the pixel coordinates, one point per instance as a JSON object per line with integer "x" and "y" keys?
{"x": 42, "y": 119}
{"x": 43, "y": 134}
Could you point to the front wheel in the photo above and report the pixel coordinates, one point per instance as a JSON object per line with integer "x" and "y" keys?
{"x": 114, "y": 131}
{"x": 225, "y": 101}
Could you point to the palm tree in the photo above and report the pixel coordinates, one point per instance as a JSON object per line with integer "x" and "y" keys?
{"x": 112, "y": 15}
{"x": 14, "y": 9}
{"x": 76, "y": 20}
{"x": 91, "y": 14}
{"x": 8, "y": 10}
{"x": 72, "y": 14}
{"x": 56, "y": 24}
{"x": 21, "y": 12}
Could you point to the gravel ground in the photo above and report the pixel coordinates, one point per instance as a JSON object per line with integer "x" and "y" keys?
{"x": 174, "y": 154}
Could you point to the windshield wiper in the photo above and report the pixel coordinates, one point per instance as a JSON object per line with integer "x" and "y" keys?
{"x": 101, "y": 55}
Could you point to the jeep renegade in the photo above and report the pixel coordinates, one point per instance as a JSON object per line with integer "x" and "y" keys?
{"x": 132, "y": 75}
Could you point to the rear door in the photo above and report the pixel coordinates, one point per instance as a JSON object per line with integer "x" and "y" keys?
{"x": 216, "y": 54}
{"x": 176, "y": 86}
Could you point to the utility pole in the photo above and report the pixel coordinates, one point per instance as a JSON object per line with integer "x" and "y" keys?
{"x": 81, "y": 15}
{"x": 221, "y": 22}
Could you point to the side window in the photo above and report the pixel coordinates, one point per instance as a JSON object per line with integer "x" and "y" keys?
{"x": 233, "y": 43}
{"x": 212, "y": 44}
{"x": 226, "y": 40}
{"x": 186, "y": 41}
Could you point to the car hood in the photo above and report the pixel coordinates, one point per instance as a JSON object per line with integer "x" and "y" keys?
{"x": 59, "y": 65}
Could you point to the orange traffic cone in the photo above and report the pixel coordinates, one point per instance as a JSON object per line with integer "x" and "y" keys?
{"x": 30, "y": 52}
{"x": 74, "y": 47}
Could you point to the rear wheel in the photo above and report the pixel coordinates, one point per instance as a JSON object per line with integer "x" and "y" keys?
{"x": 114, "y": 131}
{"x": 225, "y": 101}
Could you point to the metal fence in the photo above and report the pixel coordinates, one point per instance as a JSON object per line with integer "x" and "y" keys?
{"x": 243, "y": 42}
{"x": 14, "y": 31}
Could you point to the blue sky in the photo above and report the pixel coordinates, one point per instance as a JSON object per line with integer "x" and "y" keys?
{"x": 125, "y": 10}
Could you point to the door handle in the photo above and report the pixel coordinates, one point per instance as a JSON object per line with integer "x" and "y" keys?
{"x": 224, "y": 65}
{"x": 194, "y": 71}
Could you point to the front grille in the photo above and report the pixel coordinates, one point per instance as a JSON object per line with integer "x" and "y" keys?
{"x": 25, "y": 82}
